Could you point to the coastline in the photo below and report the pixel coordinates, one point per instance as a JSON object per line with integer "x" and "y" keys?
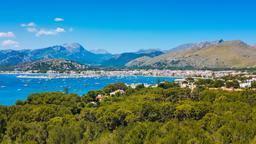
{"x": 122, "y": 73}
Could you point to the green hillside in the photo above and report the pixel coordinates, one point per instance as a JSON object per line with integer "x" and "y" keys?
{"x": 51, "y": 64}
{"x": 166, "y": 114}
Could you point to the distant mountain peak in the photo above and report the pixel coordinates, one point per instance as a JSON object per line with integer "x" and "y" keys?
{"x": 196, "y": 45}
{"x": 73, "y": 47}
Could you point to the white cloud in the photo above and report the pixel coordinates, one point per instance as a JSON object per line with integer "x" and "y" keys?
{"x": 7, "y": 35}
{"x": 58, "y": 19}
{"x": 10, "y": 43}
{"x": 44, "y": 32}
{"x": 31, "y": 24}
{"x": 60, "y": 30}
{"x": 30, "y": 27}
{"x": 33, "y": 28}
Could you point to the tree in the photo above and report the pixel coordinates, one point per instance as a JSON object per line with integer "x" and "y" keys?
{"x": 91, "y": 95}
{"x": 232, "y": 84}
{"x": 146, "y": 115}
{"x": 190, "y": 80}
{"x": 166, "y": 85}
{"x": 218, "y": 83}
{"x": 204, "y": 82}
{"x": 113, "y": 87}
{"x": 3, "y": 124}
{"x": 253, "y": 84}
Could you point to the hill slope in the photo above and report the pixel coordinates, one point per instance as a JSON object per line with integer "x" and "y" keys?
{"x": 228, "y": 54}
{"x": 51, "y": 64}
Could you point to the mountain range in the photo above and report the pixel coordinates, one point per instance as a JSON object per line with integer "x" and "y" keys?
{"x": 221, "y": 54}
{"x": 120, "y": 60}
{"x": 73, "y": 52}
{"x": 216, "y": 54}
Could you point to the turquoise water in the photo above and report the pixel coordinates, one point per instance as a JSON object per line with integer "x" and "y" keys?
{"x": 13, "y": 88}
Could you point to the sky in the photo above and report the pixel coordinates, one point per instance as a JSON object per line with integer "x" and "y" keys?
{"x": 124, "y": 25}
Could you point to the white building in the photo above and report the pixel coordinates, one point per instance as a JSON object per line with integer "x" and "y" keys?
{"x": 117, "y": 91}
{"x": 245, "y": 85}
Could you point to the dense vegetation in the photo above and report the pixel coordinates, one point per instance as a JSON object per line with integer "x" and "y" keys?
{"x": 45, "y": 65}
{"x": 165, "y": 114}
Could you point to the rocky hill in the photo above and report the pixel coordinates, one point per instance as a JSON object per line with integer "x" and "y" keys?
{"x": 51, "y": 64}
{"x": 224, "y": 54}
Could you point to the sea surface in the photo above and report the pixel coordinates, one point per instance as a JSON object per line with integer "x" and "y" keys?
{"x": 13, "y": 88}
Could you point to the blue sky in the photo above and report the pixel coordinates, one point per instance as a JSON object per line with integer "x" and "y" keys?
{"x": 124, "y": 25}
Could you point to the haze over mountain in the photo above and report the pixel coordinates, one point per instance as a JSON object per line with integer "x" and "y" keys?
{"x": 74, "y": 52}
{"x": 223, "y": 54}
{"x": 121, "y": 59}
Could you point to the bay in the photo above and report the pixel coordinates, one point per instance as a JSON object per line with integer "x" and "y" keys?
{"x": 13, "y": 88}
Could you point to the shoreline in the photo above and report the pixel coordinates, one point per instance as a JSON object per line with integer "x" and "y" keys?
{"x": 102, "y": 73}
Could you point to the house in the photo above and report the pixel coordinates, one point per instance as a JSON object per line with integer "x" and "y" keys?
{"x": 245, "y": 85}
{"x": 116, "y": 92}
{"x": 99, "y": 97}
{"x": 93, "y": 102}
{"x": 184, "y": 84}
{"x": 181, "y": 82}
{"x": 154, "y": 86}
{"x": 133, "y": 86}
{"x": 147, "y": 85}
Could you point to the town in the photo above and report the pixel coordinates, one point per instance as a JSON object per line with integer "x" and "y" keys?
{"x": 229, "y": 81}
{"x": 150, "y": 72}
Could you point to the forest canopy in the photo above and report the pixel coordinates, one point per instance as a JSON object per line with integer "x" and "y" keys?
{"x": 164, "y": 114}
